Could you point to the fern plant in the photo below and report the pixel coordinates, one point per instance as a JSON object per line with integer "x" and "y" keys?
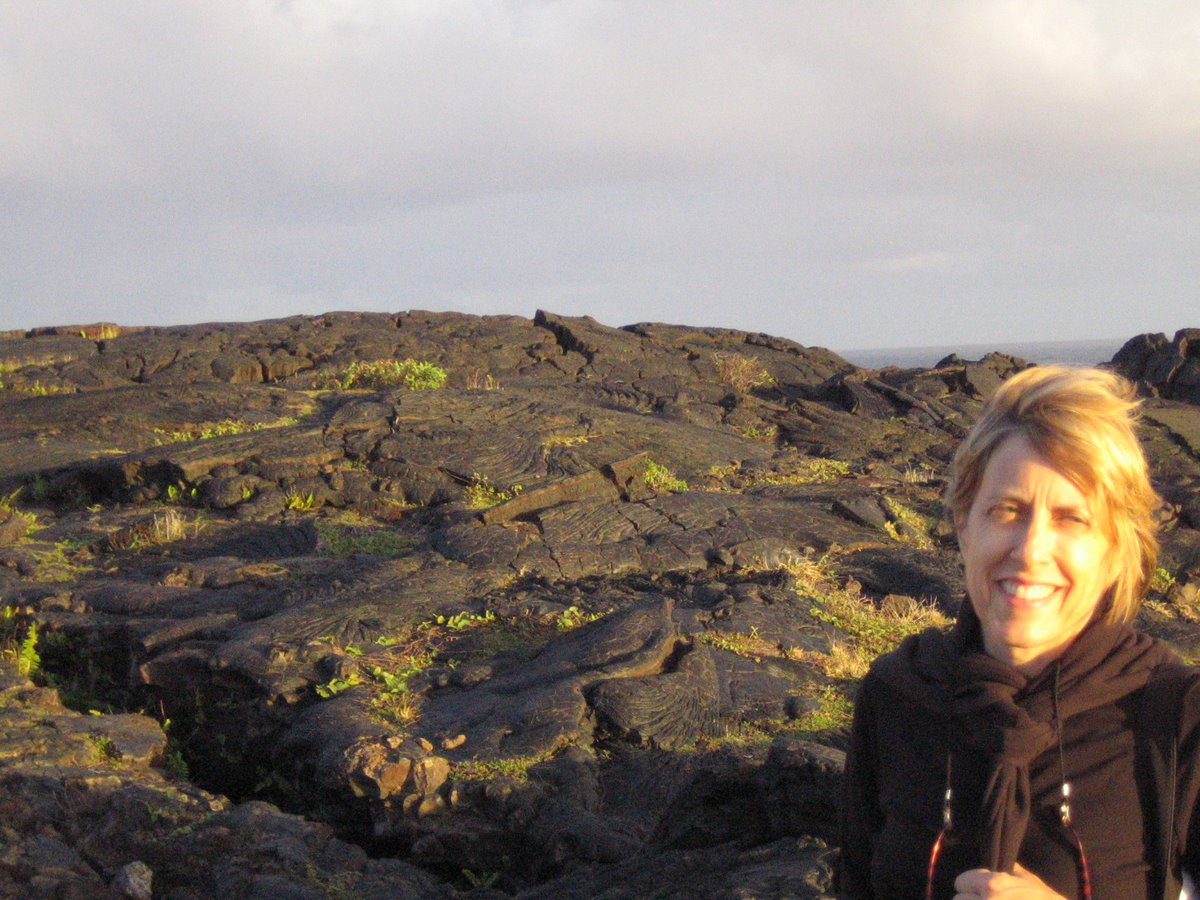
{"x": 28, "y": 661}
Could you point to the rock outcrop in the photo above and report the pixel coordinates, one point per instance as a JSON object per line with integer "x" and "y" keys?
{"x": 586, "y": 620}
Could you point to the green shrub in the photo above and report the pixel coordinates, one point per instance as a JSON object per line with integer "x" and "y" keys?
{"x": 174, "y": 764}
{"x": 386, "y": 670}
{"x": 298, "y": 501}
{"x": 1161, "y": 580}
{"x": 659, "y": 478}
{"x": 39, "y": 488}
{"x": 103, "y": 748}
{"x": 414, "y": 374}
{"x": 19, "y": 642}
{"x": 482, "y": 494}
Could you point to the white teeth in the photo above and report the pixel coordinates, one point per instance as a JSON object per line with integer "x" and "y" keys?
{"x": 1031, "y": 592}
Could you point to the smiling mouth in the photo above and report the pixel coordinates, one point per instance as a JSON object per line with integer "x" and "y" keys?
{"x": 1027, "y": 592}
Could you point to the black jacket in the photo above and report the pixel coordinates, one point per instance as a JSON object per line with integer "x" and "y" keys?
{"x": 1121, "y": 759}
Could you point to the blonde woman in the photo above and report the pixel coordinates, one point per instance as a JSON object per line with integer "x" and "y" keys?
{"x": 1043, "y": 748}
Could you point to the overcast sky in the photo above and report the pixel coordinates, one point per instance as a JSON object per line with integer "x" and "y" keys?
{"x": 848, "y": 174}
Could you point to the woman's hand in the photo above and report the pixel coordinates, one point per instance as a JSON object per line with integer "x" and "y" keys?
{"x": 1020, "y": 885}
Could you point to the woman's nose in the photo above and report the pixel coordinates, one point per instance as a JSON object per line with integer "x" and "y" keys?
{"x": 1034, "y": 541}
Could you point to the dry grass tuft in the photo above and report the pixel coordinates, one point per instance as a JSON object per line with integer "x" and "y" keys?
{"x": 742, "y": 373}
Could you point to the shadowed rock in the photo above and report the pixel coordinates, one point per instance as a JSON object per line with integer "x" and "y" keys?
{"x": 667, "y": 710}
{"x": 542, "y": 705}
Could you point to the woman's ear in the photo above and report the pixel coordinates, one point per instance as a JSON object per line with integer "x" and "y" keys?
{"x": 959, "y": 521}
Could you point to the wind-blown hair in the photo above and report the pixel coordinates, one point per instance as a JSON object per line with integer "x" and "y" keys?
{"x": 1084, "y": 423}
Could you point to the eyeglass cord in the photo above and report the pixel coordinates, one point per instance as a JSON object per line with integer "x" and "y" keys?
{"x": 1082, "y": 869}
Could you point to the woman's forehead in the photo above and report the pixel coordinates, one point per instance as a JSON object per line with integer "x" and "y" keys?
{"x": 1016, "y": 467}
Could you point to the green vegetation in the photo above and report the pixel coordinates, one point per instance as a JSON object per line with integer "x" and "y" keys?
{"x": 908, "y": 526}
{"x": 791, "y": 470}
{"x": 79, "y": 676}
{"x": 480, "y": 493}
{"x": 165, "y": 528}
{"x": 479, "y": 380}
{"x": 749, "y": 646}
{"x": 833, "y": 713}
{"x": 659, "y": 478}
{"x": 385, "y": 373}
{"x": 867, "y": 630}
{"x": 811, "y": 470}
{"x": 62, "y": 561}
{"x": 202, "y": 431}
{"x": 19, "y": 642}
{"x": 298, "y": 501}
{"x": 8, "y": 509}
{"x": 39, "y": 489}
{"x": 464, "y": 620}
{"x": 37, "y": 389}
{"x": 765, "y": 433}
{"x": 573, "y": 617}
{"x": 174, "y": 765}
{"x": 564, "y": 440}
{"x": 103, "y": 748}
{"x": 387, "y": 672}
{"x": 386, "y": 669}
{"x": 7, "y": 367}
{"x": 178, "y": 493}
{"x": 514, "y": 767}
{"x": 342, "y": 541}
{"x": 1161, "y": 580}
{"x": 337, "y": 685}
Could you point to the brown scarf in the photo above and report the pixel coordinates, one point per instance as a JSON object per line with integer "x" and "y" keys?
{"x": 996, "y": 712}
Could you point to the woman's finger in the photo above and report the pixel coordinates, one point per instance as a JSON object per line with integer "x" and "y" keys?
{"x": 1021, "y": 885}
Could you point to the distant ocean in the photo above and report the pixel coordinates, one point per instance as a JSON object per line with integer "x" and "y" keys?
{"x": 1074, "y": 353}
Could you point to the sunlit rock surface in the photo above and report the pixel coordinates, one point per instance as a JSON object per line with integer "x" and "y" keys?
{"x": 583, "y": 621}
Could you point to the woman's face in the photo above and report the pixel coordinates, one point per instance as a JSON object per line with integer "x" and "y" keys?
{"x": 1036, "y": 557}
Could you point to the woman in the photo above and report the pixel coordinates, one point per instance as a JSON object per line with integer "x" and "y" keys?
{"x": 1042, "y": 748}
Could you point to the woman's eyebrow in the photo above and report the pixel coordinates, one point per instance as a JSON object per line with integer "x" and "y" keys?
{"x": 1009, "y": 494}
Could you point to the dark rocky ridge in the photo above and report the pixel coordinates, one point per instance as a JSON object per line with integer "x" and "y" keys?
{"x": 601, "y": 687}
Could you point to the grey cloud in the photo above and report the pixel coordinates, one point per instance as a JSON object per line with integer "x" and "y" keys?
{"x": 843, "y": 173}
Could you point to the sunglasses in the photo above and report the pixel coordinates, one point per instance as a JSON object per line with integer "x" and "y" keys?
{"x": 1082, "y": 870}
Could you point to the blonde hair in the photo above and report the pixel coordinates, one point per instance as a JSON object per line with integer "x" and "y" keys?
{"x": 1084, "y": 422}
